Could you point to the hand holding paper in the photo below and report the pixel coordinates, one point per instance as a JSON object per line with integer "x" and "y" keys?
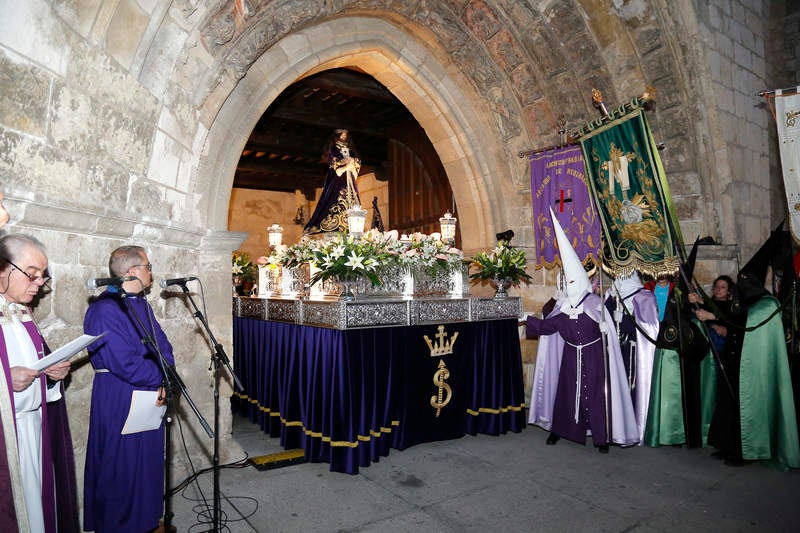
{"x": 58, "y": 371}
{"x": 65, "y": 352}
{"x": 145, "y": 413}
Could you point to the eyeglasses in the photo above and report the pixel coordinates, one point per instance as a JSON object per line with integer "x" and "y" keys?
{"x": 33, "y": 279}
{"x": 148, "y": 266}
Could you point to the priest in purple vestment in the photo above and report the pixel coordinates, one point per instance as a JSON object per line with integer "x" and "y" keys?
{"x": 37, "y": 472}
{"x": 591, "y": 396}
{"x": 124, "y": 478}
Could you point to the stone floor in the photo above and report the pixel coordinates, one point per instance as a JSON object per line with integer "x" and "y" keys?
{"x": 511, "y": 483}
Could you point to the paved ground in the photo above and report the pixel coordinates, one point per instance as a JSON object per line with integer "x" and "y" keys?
{"x": 510, "y": 483}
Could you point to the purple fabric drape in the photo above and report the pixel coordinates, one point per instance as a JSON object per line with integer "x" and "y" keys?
{"x": 347, "y": 397}
{"x": 558, "y": 182}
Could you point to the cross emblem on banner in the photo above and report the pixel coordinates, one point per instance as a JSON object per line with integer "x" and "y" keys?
{"x": 561, "y": 200}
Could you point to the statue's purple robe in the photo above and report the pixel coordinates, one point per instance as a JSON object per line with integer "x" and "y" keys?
{"x": 610, "y": 418}
{"x": 59, "y": 487}
{"x": 330, "y": 213}
{"x": 124, "y": 477}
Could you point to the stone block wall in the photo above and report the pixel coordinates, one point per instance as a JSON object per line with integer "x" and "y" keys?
{"x": 791, "y": 44}
{"x": 734, "y": 34}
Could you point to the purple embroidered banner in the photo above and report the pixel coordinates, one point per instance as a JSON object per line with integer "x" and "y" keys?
{"x": 558, "y": 181}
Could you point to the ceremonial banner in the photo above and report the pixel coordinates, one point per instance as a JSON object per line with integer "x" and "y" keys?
{"x": 632, "y": 196}
{"x": 787, "y": 116}
{"x": 558, "y": 181}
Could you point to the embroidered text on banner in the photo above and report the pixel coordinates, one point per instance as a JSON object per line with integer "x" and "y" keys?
{"x": 558, "y": 182}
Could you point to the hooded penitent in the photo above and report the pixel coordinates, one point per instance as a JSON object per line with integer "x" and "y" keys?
{"x": 576, "y": 281}
{"x": 750, "y": 283}
{"x": 756, "y": 420}
{"x": 625, "y": 286}
{"x": 579, "y": 387}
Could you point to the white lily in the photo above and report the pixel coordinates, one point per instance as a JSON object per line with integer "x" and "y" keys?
{"x": 355, "y": 261}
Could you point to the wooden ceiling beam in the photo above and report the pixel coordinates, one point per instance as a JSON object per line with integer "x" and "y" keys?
{"x": 276, "y": 166}
{"x": 350, "y": 84}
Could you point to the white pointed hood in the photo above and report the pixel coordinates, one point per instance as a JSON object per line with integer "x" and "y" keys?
{"x": 576, "y": 281}
{"x": 625, "y": 286}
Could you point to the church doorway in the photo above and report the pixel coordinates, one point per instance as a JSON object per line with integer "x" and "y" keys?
{"x": 402, "y": 181}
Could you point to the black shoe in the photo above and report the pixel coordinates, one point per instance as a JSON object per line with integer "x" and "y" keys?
{"x": 603, "y": 448}
{"x": 719, "y": 454}
{"x": 552, "y": 439}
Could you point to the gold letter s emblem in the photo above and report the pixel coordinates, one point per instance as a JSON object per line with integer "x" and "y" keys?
{"x": 439, "y": 378}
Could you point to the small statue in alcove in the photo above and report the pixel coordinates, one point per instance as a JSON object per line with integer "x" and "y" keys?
{"x": 340, "y": 192}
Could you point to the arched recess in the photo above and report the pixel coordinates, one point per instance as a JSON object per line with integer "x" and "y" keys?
{"x": 434, "y": 92}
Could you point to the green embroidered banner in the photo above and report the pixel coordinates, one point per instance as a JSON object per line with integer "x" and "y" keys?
{"x": 628, "y": 185}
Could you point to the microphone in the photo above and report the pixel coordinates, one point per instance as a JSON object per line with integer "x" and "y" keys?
{"x": 164, "y": 283}
{"x": 93, "y": 283}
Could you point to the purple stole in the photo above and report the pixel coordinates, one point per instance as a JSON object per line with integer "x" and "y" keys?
{"x": 48, "y": 480}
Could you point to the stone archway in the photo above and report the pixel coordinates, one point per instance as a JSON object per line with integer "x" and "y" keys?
{"x": 450, "y": 113}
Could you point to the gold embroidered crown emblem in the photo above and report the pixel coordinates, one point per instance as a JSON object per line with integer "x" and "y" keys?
{"x": 442, "y": 346}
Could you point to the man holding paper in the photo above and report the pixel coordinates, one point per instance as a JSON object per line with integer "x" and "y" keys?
{"x": 37, "y": 476}
{"x": 124, "y": 477}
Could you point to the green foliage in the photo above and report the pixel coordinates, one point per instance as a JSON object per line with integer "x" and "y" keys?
{"x": 242, "y": 267}
{"x": 504, "y": 262}
{"x": 346, "y": 258}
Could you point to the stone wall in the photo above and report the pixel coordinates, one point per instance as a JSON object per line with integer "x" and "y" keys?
{"x": 94, "y": 154}
{"x": 791, "y": 43}
{"x": 734, "y": 34}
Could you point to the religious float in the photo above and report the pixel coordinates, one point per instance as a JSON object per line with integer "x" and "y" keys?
{"x": 359, "y": 342}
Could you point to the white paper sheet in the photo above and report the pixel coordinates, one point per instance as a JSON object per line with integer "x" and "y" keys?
{"x": 65, "y": 352}
{"x": 144, "y": 414}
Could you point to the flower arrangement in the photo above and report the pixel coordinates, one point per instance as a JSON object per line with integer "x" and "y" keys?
{"x": 242, "y": 267}
{"x": 502, "y": 263}
{"x": 372, "y": 257}
{"x": 346, "y": 258}
{"x": 296, "y": 254}
{"x": 430, "y": 252}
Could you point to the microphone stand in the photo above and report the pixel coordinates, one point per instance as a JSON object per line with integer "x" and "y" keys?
{"x": 217, "y": 356}
{"x": 171, "y": 379}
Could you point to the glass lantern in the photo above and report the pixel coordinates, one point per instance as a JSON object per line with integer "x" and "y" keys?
{"x": 447, "y": 223}
{"x": 356, "y": 216}
{"x": 275, "y": 233}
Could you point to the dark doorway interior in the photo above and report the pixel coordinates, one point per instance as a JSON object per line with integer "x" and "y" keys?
{"x": 285, "y": 149}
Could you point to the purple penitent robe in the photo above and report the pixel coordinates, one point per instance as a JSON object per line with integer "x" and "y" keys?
{"x": 582, "y": 401}
{"x": 124, "y": 478}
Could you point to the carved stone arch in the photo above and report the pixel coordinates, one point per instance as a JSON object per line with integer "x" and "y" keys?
{"x": 453, "y": 116}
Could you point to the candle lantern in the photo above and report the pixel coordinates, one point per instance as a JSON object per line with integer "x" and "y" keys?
{"x": 356, "y": 216}
{"x": 275, "y": 233}
{"x": 448, "y": 228}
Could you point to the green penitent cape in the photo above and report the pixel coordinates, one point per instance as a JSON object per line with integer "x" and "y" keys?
{"x": 766, "y": 403}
